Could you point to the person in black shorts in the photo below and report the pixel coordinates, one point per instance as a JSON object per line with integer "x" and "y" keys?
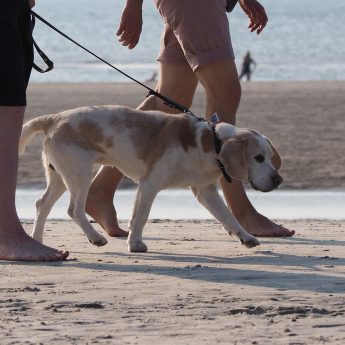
{"x": 16, "y": 59}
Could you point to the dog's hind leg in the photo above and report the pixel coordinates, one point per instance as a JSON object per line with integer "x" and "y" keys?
{"x": 210, "y": 198}
{"x": 77, "y": 174}
{"x": 146, "y": 193}
{"x": 55, "y": 188}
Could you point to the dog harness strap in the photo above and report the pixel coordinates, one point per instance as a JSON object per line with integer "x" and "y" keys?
{"x": 51, "y": 167}
{"x": 218, "y": 147}
{"x": 225, "y": 174}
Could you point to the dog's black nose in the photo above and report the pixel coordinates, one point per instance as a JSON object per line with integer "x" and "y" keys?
{"x": 277, "y": 180}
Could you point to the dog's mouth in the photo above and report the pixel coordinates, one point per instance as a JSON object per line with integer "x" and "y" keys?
{"x": 264, "y": 190}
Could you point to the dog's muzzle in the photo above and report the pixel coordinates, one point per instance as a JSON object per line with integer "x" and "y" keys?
{"x": 276, "y": 182}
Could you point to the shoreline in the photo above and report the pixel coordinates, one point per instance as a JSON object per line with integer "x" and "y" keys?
{"x": 304, "y": 120}
{"x": 284, "y": 205}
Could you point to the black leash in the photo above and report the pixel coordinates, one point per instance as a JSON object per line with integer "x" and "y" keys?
{"x": 165, "y": 99}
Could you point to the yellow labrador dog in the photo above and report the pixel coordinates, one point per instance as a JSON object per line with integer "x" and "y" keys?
{"x": 156, "y": 150}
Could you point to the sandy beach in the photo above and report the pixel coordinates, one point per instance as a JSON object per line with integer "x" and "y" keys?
{"x": 196, "y": 285}
{"x": 305, "y": 121}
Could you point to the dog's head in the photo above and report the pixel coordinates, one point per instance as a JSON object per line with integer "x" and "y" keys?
{"x": 250, "y": 156}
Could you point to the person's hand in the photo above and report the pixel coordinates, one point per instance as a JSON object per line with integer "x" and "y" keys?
{"x": 130, "y": 24}
{"x": 32, "y": 3}
{"x": 256, "y": 14}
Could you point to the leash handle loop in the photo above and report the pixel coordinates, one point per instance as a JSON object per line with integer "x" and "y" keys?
{"x": 49, "y": 63}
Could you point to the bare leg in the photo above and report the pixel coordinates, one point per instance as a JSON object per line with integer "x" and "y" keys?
{"x": 99, "y": 204}
{"x": 15, "y": 244}
{"x": 176, "y": 81}
{"x": 210, "y": 198}
{"x": 223, "y": 93}
{"x": 254, "y": 222}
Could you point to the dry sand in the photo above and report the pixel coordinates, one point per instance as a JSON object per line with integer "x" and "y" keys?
{"x": 305, "y": 121}
{"x": 196, "y": 285}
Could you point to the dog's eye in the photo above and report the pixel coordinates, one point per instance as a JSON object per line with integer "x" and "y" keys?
{"x": 259, "y": 158}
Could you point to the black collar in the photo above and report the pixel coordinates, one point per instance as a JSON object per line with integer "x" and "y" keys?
{"x": 218, "y": 147}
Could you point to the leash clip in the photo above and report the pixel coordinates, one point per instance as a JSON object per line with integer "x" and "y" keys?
{"x": 214, "y": 118}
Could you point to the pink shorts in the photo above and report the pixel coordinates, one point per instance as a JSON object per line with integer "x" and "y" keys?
{"x": 196, "y": 32}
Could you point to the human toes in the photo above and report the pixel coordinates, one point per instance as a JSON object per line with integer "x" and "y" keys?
{"x": 118, "y": 233}
{"x": 283, "y": 232}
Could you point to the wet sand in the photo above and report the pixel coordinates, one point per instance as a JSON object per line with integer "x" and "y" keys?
{"x": 196, "y": 285}
{"x": 305, "y": 121}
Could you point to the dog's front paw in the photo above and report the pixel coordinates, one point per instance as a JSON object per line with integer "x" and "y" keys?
{"x": 137, "y": 247}
{"x": 98, "y": 240}
{"x": 250, "y": 242}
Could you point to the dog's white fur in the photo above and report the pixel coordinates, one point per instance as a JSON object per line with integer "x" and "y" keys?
{"x": 157, "y": 151}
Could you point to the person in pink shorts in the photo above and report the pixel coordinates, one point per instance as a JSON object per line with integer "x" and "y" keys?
{"x": 195, "y": 47}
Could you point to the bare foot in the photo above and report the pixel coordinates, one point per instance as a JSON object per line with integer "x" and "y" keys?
{"x": 103, "y": 212}
{"x": 260, "y": 226}
{"x": 18, "y": 246}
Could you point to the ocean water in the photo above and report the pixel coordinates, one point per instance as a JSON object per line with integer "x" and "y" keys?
{"x": 284, "y": 205}
{"x": 304, "y": 40}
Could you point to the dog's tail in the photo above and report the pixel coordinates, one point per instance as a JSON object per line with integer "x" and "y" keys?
{"x": 32, "y": 127}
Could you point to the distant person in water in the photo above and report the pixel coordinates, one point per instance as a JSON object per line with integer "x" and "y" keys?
{"x": 246, "y": 64}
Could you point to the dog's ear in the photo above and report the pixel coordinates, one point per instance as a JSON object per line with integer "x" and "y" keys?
{"x": 276, "y": 159}
{"x": 233, "y": 158}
